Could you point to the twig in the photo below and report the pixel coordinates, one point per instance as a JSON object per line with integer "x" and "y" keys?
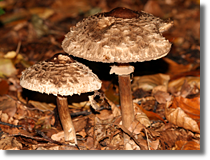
{"x": 11, "y": 125}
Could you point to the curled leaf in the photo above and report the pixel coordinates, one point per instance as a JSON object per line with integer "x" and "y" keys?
{"x": 141, "y": 116}
{"x": 183, "y": 86}
{"x": 176, "y": 115}
{"x": 151, "y": 115}
{"x": 148, "y": 82}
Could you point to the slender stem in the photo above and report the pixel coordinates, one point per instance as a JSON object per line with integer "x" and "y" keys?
{"x": 69, "y": 131}
{"x": 126, "y": 102}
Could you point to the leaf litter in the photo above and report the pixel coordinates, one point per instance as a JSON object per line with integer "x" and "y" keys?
{"x": 166, "y": 98}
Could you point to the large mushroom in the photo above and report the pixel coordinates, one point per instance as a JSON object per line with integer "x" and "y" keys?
{"x": 61, "y": 76}
{"x": 122, "y": 36}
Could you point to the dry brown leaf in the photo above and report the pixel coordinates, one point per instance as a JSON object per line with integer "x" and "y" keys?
{"x": 175, "y": 69}
{"x": 148, "y": 82}
{"x": 42, "y": 106}
{"x": 131, "y": 145}
{"x": 45, "y": 122}
{"x": 190, "y": 106}
{"x": 93, "y": 103}
{"x": 184, "y": 113}
{"x": 89, "y": 143}
{"x": 141, "y": 116}
{"x": 162, "y": 97}
{"x": 4, "y": 87}
{"x": 136, "y": 127}
{"x": 8, "y": 105}
{"x": 10, "y": 143}
{"x": 79, "y": 123}
{"x": 115, "y": 110}
{"x": 153, "y": 145}
{"x": 104, "y": 115}
{"x": 112, "y": 94}
{"x": 167, "y": 139}
{"x": 183, "y": 86}
{"x": 151, "y": 115}
{"x": 101, "y": 129}
{"x": 58, "y": 136}
{"x": 187, "y": 145}
{"x": 7, "y": 68}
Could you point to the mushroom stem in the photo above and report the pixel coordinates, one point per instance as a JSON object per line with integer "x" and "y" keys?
{"x": 69, "y": 131}
{"x": 126, "y": 103}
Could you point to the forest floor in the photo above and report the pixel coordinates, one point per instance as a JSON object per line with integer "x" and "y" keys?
{"x": 166, "y": 92}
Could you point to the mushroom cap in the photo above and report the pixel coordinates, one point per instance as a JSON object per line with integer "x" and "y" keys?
{"x": 121, "y": 35}
{"x": 60, "y": 75}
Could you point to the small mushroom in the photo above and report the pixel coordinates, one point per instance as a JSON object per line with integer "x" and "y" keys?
{"x": 121, "y": 35}
{"x": 61, "y": 76}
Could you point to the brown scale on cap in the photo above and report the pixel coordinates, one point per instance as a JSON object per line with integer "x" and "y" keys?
{"x": 57, "y": 58}
{"x": 121, "y": 35}
{"x": 60, "y": 75}
{"x": 120, "y": 12}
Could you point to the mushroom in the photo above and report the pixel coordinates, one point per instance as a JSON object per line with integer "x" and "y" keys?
{"x": 61, "y": 76}
{"x": 122, "y": 36}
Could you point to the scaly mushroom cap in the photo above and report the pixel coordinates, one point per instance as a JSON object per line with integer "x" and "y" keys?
{"x": 60, "y": 75}
{"x": 121, "y": 35}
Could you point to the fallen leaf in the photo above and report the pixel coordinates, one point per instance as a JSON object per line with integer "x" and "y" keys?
{"x": 187, "y": 145}
{"x": 7, "y": 68}
{"x": 4, "y": 87}
{"x": 153, "y": 145}
{"x": 141, "y": 116}
{"x": 175, "y": 69}
{"x": 136, "y": 127}
{"x": 44, "y": 122}
{"x": 112, "y": 94}
{"x": 115, "y": 110}
{"x": 190, "y": 106}
{"x": 167, "y": 139}
{"x": 85, "y": 105}
{"x": 58, "y": 136}
{"x": 10, "y": 54}
{"x": 124, "y": 129}
{"x": 93, "y": 103}
{"x": 79, "y": 123}
{"x": 180, "y": 118}
{"x": 151, "y": 115}
{"x": 10, "y": 143}
{"x": 148, "y": 82}
{"x": 105, "y": 114}
{"x": 8, "y": 105}
{"x": 42, "y": 106}
{"x": 89, "y": 143}
{"x": 175, "y": 113}
{"x": 183, "y": 86}
{"x": 162, "y": 97}
{"x": 101, "y": 129}
{"x": 131, "y": 145}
